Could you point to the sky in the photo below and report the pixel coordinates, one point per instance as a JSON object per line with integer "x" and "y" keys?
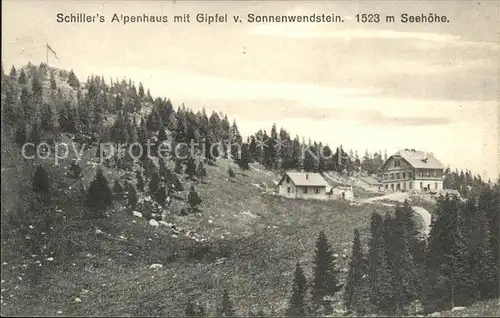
{"x": 433, "y": 87}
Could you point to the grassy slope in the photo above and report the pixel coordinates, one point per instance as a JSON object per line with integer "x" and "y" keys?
{"x": 261, "y": 236}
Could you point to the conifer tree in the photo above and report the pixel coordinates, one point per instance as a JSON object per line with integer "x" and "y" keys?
{"x": 189, "y": 310}
{"x": 226, "y": 306}
{"x": 236, "y": 140}
{"x": 176, "y": 184}
{"x": 201, "y": 172}
{"x": 99, "y": 195}
{"x": 140, "y": 182}
{"x": 325, "y": 282}
{"x": 448, "y": 262}
{"x": 190, "y": 168}
{"x": 141, "y": 90}
{"x": 193, "y": 198}
{"x": 353, "y": 294}
{"x": 201, "y": 311}
{"x": 161, "y": 196}
{"x": 41, "y": 183}
{"x": 178, "y": 166}
{"x": 244, "y": 159}
{"x": 488, "y": 274}
{"x": 75, "y": 171}
{"x": 117, "y": 187}
{"x": 404, "y": 274}
{"x": 297, "y": 304}
{"x": 12, "y": 74}
{"x": 154, "y": 183}
{"x": 381, "y": 295}
{"x": 73, "y": 80}
{"x": 22, "y": 78}
{"x": 162, "y": 135}
{"x": 132, "y": 198}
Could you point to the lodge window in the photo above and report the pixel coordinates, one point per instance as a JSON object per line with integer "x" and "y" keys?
{"x": 288, "y": 189}
{"x": 397, "y": 175}
{"x": 316, "y": 190}
{"x": 428, "y": 174}
{"x": 421, "y": 185}
{"x": 392, "y": 176}
{"x": 404, "y": 175}
{"x": 397, "y": 163}
{"x": 410, "y": 175}
{"x": 409, "y": 185}
{"x": 305, "y": 190}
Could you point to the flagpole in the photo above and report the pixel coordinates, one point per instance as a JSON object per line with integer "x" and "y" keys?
{"x": 47, "y": 54}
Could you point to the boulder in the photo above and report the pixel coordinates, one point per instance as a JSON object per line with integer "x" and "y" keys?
{"x": 153, "y": 222}
{"x": 457, "y": 308}
{"x": 156, "y": 266}
{"x": 137, "y": 213}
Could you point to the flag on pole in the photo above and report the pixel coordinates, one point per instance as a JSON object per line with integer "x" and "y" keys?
{"x": 52, "y": 51}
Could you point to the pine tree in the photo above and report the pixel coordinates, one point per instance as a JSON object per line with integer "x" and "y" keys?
{"x": 381, "y": 295}
{"x": 178, "y": 166}
{"x": 99, "y": 195}
{"x": 189, "y": 310}
{"x": 141, "y": 90}
{"x": 244, "y": 159}
{"x": 190, "y": 168}
{"x": 132, "y": 198}
{"x": 140, "y": 182}
{"x": 236, "y": 140}
{"x": 448, "y": 262}
{"x": 226, "y": 306}
{"x": 75, "y": 171}
{"x": 161, "y": 196}
{"x": 12, "y": 74}
{"x": 404, "y": 274}
{"x": 201, "y": 172}
{"x": 154, "y": 183}
{"x": 353, "y": 294}
{"x": 53, "y": 84}
{"x": 22, "y": 78}
{"x": 176, "y": 184}
{"x": 488, "y": 274}
{"x": 41, "y": 183}
{"x": 162, "y": 135}
{"x": 73, "y": 80}
{"x": 193, "y": 198}
{"x": 201, "y": 311}
{"x": 325, "y": 282}
{"x": 117, "y": 187}
{"x": 297, "y": 304}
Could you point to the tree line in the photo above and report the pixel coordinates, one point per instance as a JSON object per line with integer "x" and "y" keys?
{"x": 455, "y": 266}
{"x": 39, "y": 103}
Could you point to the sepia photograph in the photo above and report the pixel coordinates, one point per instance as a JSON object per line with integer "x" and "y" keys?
{"x": 250, "y": 158}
